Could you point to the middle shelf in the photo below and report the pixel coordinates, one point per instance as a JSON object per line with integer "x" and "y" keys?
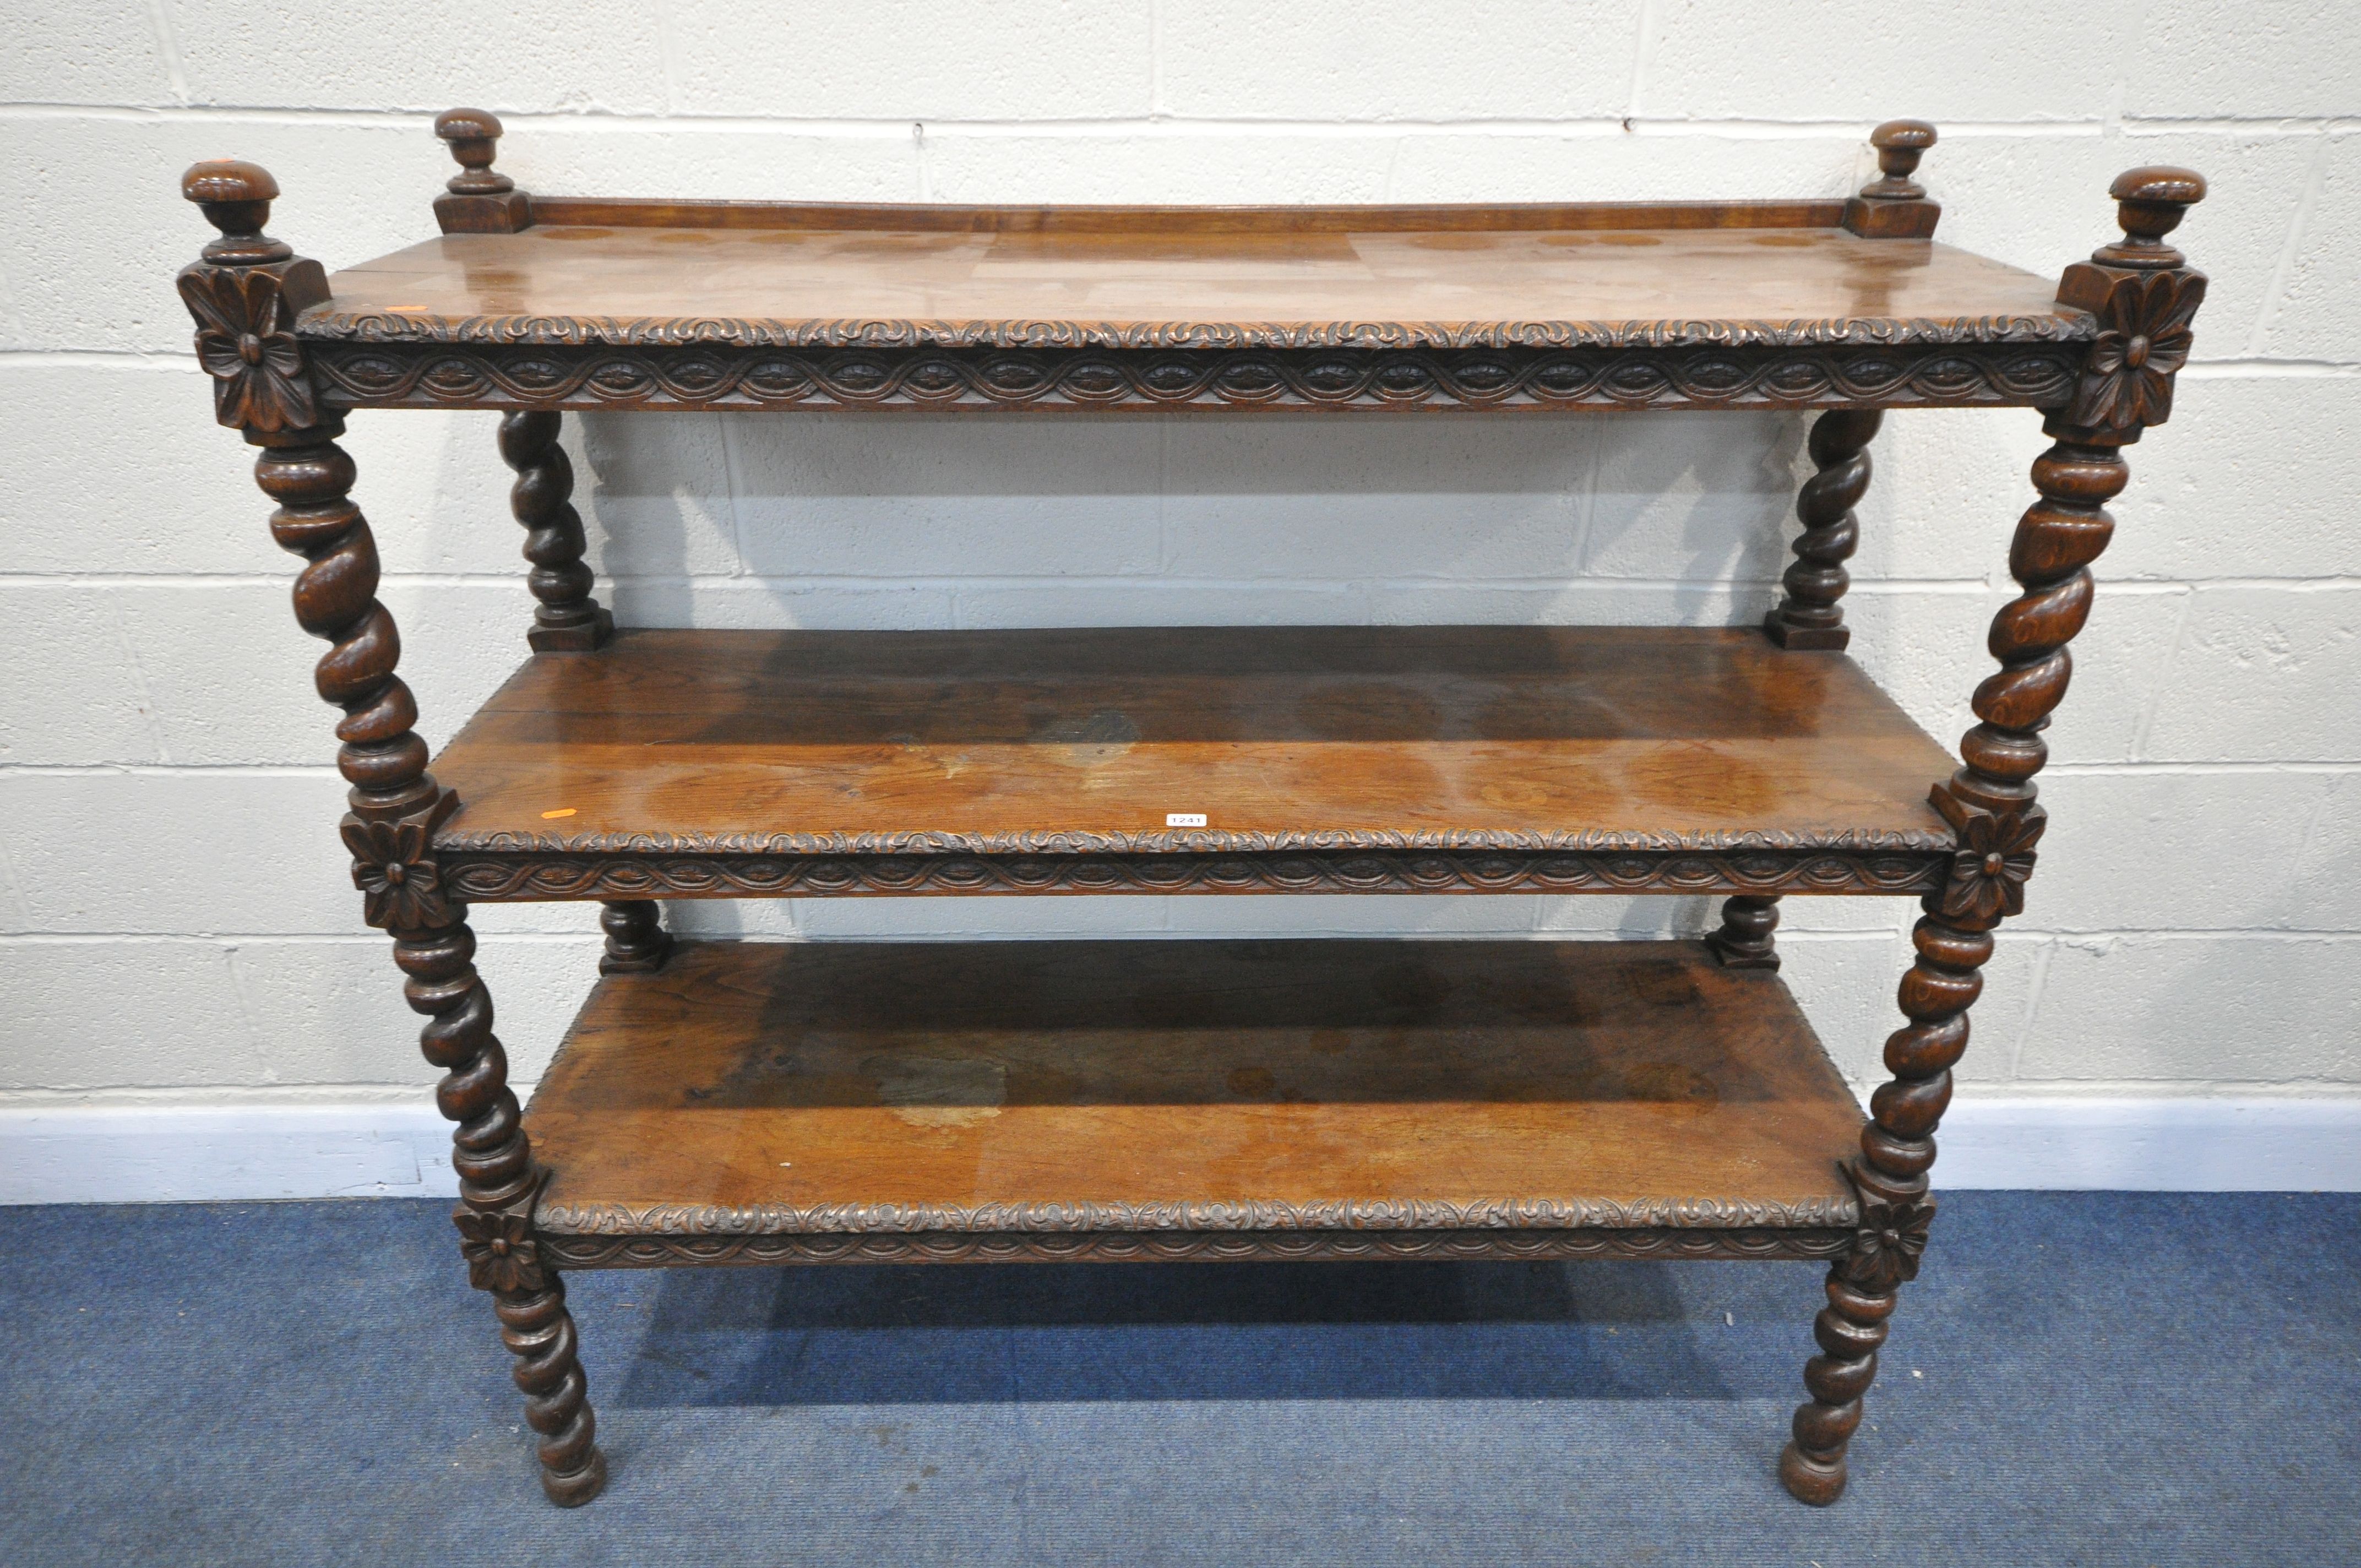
{"x": 688, "y": 764}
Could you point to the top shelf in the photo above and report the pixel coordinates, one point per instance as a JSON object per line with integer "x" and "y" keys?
{"x": 1602, "y": 277}
{"x": 541, "y": 302}
{"x": 568, "y": 303}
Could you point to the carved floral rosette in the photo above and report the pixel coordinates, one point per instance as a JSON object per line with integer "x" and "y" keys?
{"x": 1994, "y": 861}
{"x": 396, "y": 872}
{"x": 246, "y": 342}
{"x": 2144, "y": 340}
{"x": 500, "y": 1249}
{"x": 1892, "y": 1235}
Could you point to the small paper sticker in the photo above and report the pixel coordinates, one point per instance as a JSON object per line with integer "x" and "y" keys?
{"x": 1184, "y": 819}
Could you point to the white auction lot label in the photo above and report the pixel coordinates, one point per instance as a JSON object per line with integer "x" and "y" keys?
{"x": 1184, "y": 819}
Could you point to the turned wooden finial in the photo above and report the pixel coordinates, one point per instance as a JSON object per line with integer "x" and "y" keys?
{"x": 2150, "y": 202}
{"x": 236, "y": 197}
{"x": 1895, "y": 206}
{"x": 2143, "y": 294}
{"x": 478, "y": 199}
{"x": 474, "y": 136}
{"x": 1900, "y": 143}
{"x": 243, "y": 294}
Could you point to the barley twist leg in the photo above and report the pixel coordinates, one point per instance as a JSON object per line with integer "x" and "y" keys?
{"x": 1850, "y": 1328}
{"x": 1810, "y": 616}
{"x": 244, "y": 294}
{"x": 566, "y": 618}
{"x": 1991, "y": 802}
{"x": 535, "y": 1327}
{"x": 498, "y": 1180}
{"x": 396, "y": 804}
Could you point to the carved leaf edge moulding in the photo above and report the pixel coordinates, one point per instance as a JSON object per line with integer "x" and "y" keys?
{"x": 1202, "y": 841}
{"x": 435, "y": 374}
{"x": 1349, "y": 1214}
{"x": 327, "y": 324}
{"x": 496, "y": 878}
{"x": 656, "y": 1252}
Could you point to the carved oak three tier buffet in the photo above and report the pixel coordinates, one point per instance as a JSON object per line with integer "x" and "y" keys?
{"x": 724, "y": 1103}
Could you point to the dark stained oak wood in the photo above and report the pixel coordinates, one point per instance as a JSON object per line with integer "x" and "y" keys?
{"x": 1174, "y": 282}
{"x": 1895, "y": 205}
{"x": 240, "y": 294}
{"x": 1114, "y": 1086}
{"x": 953, "y": 217}
{"x": 479, "y": 199}
{"x": 736, "y": 1104}
{"x": 1811, "y": 615}
{"x": 1338, "y": 740}
{"x": 2145, "y": 296}
{"x": 1747, "y": 938}
{"x": 566, "y": 619}
{"x": 557, "y": 303}
{"x": 637, "y": 942}
{"x": 395, "y": 805}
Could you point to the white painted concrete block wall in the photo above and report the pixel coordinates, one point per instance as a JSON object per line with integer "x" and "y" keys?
{"x": 175, "y": 928}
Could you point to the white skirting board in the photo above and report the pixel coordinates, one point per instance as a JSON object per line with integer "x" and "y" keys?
{"x": 169, "y": 1154}
{"x": 65, "y": 1153}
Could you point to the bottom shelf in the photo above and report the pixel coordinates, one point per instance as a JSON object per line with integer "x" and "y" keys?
{"x": 761, "y": 1103}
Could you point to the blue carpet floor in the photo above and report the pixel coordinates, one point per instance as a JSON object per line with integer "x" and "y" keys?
{"x": 2077, "y": 1378}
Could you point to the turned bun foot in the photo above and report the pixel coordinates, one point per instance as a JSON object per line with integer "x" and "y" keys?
{"x": 577, "y": 1488}
{"x": 1808, "y": 1480}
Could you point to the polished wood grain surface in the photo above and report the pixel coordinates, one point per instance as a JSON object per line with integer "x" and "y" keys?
{"x": 626, "y": 212}
{"x": 569, "y": 282}
{"x": 829, "y": 1085}
{"x": 1670, "y": 737}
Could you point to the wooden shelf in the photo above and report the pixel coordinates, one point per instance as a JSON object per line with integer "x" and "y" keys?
{"x": 729, "y": 1103}
{"x": 803, "y": 1102}
{"x": 604, "y": 303}
{"x": 728, "y": 764}
{"x": 849, "y": 277}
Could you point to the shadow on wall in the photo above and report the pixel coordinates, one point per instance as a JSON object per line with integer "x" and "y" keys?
{"x": 917, "y": 520}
